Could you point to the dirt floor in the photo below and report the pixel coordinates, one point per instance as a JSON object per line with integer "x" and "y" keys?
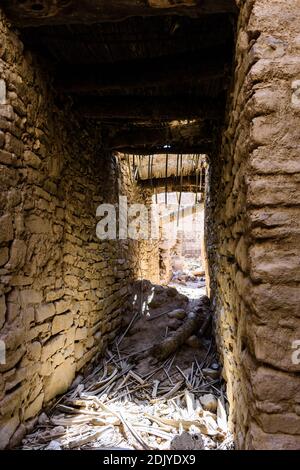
{"x": 131, "y": 399}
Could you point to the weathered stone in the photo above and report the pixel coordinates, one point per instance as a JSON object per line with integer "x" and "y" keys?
{"x": 34, "y": 351}
{"x": 269, "y": 383}
{"x": 7, "y": 158}
{"x": 209, "y": 402}
{"x": 260, "y": 440}
{"x": 62, "y": 322}
{"x": 34, "y": 407}
{"x": 79, "y": 350}
{"x": 179, "y": 313}
{"x": 60, "y": 380}
{"x": 81, "y": 333}
{"x": 30, "y": 296}
{"x": 53, "y": 445}
{"x": 62, "y": 306}
{"x": 43, "y": 312}
{"x": 17, "y": 437}
{"x": 271, "y": 263}
{"x": 70, "y": 336}
{"x": 17, "y": 255}
{"x": 2, "y": 91}
{"x": 52, "y": 346}
{"x": 7, "y": 429}
{"x": 37, "y": 224}
{"x": 55, "y": 295}
{"x": 4, "y": 256}
{"x": 2, "y": 310}
{"x": 6, "y": 228}
{"x": 285, "y": 422}
{"x": 31, "y": 159}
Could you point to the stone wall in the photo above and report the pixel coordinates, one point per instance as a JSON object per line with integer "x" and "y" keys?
{"x": 252, "y": 220}
{"x": 62, "y": 291}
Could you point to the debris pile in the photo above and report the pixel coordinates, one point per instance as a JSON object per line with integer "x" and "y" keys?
{"x": 144, "y": 394}
{"x": 190, "y": 278}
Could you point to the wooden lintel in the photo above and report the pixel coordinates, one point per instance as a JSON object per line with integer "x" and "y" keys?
{"x": 174, "y": 70}
{"x": 28, "y": 13}
{"x": 151, "y": 108}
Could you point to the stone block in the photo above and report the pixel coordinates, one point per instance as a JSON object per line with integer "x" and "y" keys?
{"x": 272, "y": 191}
{"x": 62, "y": 306}
{"x": 55, "y": 295}
{"x": 70, "y": 336}
{"x": 17, "y": 255}
{"x": 274, "y": 385}
{"x": 62, "y": 322}
{"x": 43, "y": 312}
{"x": 71, "y": 281}
{"x": 52, "y": 346}
{"x": 2, "y": 310}
{"x": 7, "y": 158}
{"x": 79, "y": 350}
{"x": 30, "y": 296}
{"x": 38, "y": 225}
{"x": 273, "y": 263}
{"x": 14, "y": 145}
{"x": 4, "y": 256}
{"x": 34, "y": 351}
{"x": 31, "y": 159}
{"x": 241, "y": 254}
{"x": 286, "y": 423}
{"x": 6, "y": 228}
{"x": 81, "y": 333}
{"x": 60, "y": 380}
{"x": 34, "y": 407}
{"x": 7, "y": 112}
{"x": 7, "y": 429}
{"x": 2, "y": 91}
{"x": 259, "y": 440}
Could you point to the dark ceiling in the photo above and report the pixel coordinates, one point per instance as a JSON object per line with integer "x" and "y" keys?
{"x": 140, "y": 73}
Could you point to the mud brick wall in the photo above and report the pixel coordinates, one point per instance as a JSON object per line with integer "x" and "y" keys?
{"x": 62, "y": 291}
{"x": 253, "y": 233}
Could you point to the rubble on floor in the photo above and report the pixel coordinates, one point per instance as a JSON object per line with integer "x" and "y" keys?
{"x": 190, "y": 278}
{"x": 131, "y": 400}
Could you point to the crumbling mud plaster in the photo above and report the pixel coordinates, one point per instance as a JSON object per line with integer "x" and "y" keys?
{"x": 252, "y": 220}
{"x": 62, "y": 291}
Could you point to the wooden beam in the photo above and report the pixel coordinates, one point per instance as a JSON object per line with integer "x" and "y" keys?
{"x": 178, "y": 69}
{"x": 201, "y": 147}
{"x": 189, "y": 184}
{"x": 185, "y": 165}
{"x": 141, "y": 137}
{"x": 57, "y": 12}
{"x": 149, "y": 108}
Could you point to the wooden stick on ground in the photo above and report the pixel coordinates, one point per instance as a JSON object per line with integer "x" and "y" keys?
{"x": 169, "y": 345}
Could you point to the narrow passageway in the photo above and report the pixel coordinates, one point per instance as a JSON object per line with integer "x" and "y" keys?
{"x": 139, "y": 396}
{"x": 159, "y": 385}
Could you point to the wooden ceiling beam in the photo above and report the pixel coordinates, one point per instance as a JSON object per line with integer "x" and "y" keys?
{"x": 150, "y": 108}
{"x": 186, "y": 184}
{"x": 142, "y": 137}
{"x": 201, "y": 147}
{"x": 144, "y": 73}
{"x": 26, "y": 13}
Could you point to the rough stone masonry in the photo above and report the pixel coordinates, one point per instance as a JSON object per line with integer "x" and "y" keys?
{"x": 62, "y": 291}
{"x": 253, "y": 226}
